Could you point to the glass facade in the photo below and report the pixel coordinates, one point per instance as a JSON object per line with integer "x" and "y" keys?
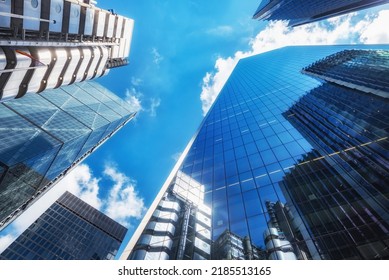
{"x": 300, "y": 12}
{"x": 291, "y": 165}
{"x": 43, "y": 136}
{"x": 180, "y": 226}
{"x": 69, "y": 230}
{"x": 344, "y": 68}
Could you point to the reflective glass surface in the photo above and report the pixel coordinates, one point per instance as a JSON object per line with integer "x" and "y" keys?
{"x": 300, "y": 11}
{"x": 293, "y": 167}
{"x": 43, "y": 135}
{"x": 69, "y": 230}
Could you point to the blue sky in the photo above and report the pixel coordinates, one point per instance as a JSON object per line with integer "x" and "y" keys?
{"x": 181, "y": 54}
{"x": 174, "y": 44}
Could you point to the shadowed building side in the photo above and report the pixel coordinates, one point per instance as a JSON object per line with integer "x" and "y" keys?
{"x": 70, "y": 229}
{"x": 299, "y": 12}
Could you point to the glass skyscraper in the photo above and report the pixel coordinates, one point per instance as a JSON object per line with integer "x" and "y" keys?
{"x": 69, "y": 230}
{"x": 300, "y": 12}
{"x": 43, "y": 136}
{"x": 291, "y": 162}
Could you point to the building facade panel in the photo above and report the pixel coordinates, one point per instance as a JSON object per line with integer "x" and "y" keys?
{"x": 69, "y": 230}
{"x": 46, "y": 135}
{"x": 299, "y": 12}
{"x": 295, "y": 165}
{"x": 55, "y": 42}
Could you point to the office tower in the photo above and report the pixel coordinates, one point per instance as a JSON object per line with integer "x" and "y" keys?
{"x": 230, "y": 246}
{"x": 70, "y": 229}
{"x": 43, "y": 136}
{"x": 179, "y": 227}
{"x": 46, "y": 44}
{"x": 294, "y": 162}
{"x": 300, "y": 12}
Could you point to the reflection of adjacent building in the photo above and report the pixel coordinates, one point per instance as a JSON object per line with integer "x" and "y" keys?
{"x": 42, "y": 137}
{"x": 48, "y": 47}
{"x": 46, "y": 44}
{"x": 230, "y": 246}
{"x": 251, "y": 147}
{"x": 344, "y": 68}
{"x": 180, "y": 226}
{"x": 283, "y": 239}
{"x": 69, "y": 230}
{"x": 340, "y": 189}
{"x": 300, "y": 12}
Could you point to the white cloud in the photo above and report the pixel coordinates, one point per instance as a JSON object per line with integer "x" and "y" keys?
{"x": 123, "y": 202}
{"x": 343, "y": 29}
{"x": 221, "y": 30}
{"x": 136, "y": 81}
{"x": 79, "y": 181}
{"x": 157, "y": 57}
{"x": 154, "y": 104}
{"x": 82, "y": 184}
{"x": 377, "y": 31}
{"x": 136, "y": 100}
{"x": 133, "y": 97}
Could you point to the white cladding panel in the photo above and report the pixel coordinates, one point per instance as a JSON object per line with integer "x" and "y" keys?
{"x": 278, "y": 255}
{"x": 203, "y": 246}
{"x": 89, "y": 19}
{"x": 122, "y": 47}
{"x": 115, "y": 51}
{"x": 165, "y": 215}
{"x": 101, "y": 23}
{"x": 203, "y": 231}
{"x": 58, "y": 67}
{"x": 127, "y": 46}
{"x": 32, "y": 8}
{"x": 119, "y": 27}
{"x": 161, "y": 227}
{"x": 111, "y": 25}
{"x": 43, "y": 56}
{"x": 170, "y": 205}
{"x": 56, "y": 15}
{"x": 3, "y": 59}
{"x": 87, "y": 54}
{"x": 5, "y": 7}
{"x": 205, "y": 209}
{"x": 204, "y": 219}
{"x": 128, "y": 27}
{"x": 74, "y": 21}
{"x": 95, "y": 60}
{"x": 103, "y": 62}
{"x": 70, "y": 71}
{"x": 156, "y": 256}
{"x": 23, "y": 63}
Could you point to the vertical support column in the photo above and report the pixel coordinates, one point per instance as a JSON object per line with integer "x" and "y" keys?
{"x": 184, "y": 233}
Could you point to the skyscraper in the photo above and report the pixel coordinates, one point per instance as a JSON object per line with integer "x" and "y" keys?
{"x": 179, "y": 227}
{"x": 46, "y": 44}
{"x": 69, "y": 230}
{"x": 293, "y": 159}
{"x": 43, "y": 136}
{"x": 300, "y": 12}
